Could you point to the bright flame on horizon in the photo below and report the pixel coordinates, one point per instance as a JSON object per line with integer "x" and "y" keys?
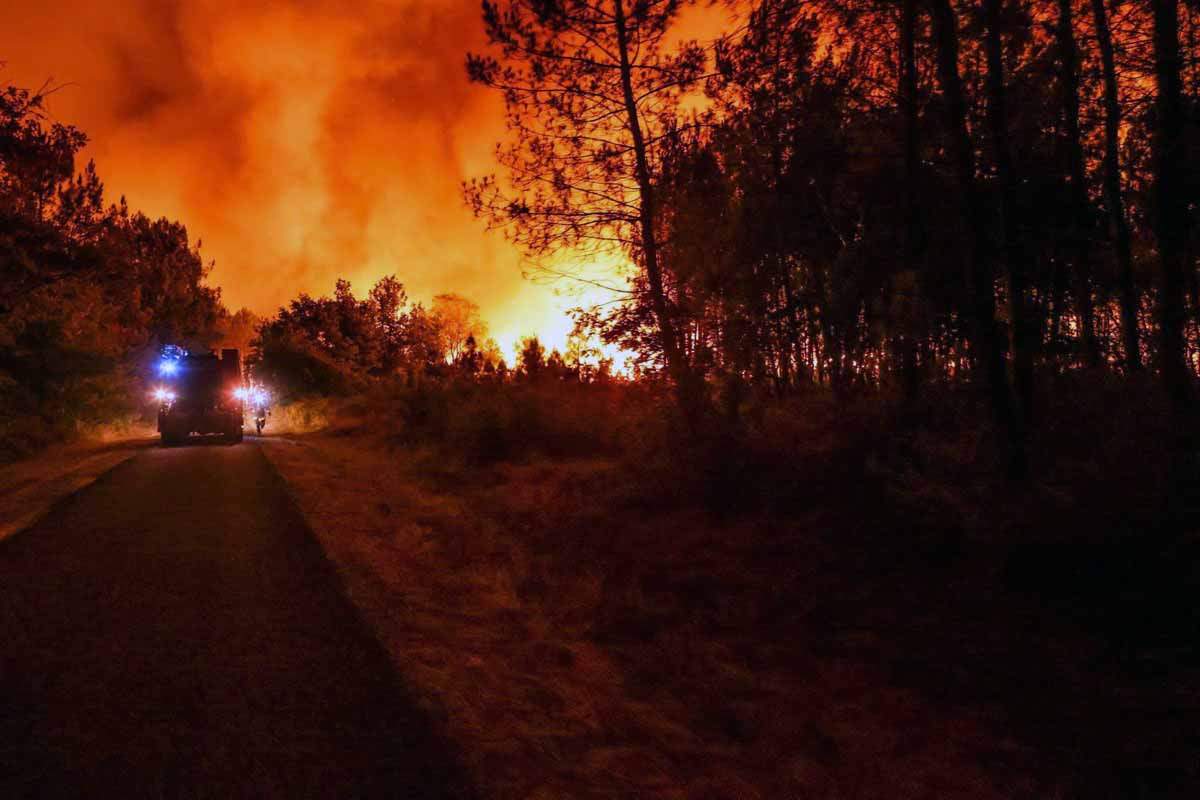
{"x": 570, "y": 282}
{"x": 302, "y": 143}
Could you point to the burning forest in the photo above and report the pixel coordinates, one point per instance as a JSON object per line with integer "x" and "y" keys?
{"x": 601, "y": 399}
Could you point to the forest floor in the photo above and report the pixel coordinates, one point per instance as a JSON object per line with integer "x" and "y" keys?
{"x": 577, "y": 640}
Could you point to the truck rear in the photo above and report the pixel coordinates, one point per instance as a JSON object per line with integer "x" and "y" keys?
{"x": 200, "y": 393}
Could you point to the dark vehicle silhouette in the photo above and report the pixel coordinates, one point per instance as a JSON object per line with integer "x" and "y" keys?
{"x": 200, "y": 393}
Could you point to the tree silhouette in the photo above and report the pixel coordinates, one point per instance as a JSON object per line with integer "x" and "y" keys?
{"x": 592, "y": 96}
{"x": 1113, "y": 194}
{"x": 86, "y": 290}
{"x": 531, "y": 359}
{"x": 458, "y": 322}
{"x": 1170, "y": 206}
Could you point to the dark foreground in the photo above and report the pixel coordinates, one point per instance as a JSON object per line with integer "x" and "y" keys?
{"x": 174, "y": 631}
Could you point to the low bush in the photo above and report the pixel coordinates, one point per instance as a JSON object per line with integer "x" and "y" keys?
{"x": 487, "y": 422}
{"x": 928, "y": 467}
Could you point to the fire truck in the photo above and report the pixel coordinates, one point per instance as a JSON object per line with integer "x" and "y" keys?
{"x": 199, "y": 393}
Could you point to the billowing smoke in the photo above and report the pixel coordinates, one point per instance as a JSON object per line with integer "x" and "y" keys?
{"x": 300, "y": 141}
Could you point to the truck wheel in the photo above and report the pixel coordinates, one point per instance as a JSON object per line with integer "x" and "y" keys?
{"x": 234, "y": 436}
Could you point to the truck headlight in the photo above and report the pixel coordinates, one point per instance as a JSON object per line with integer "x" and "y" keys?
{"x": 163, "y": 395}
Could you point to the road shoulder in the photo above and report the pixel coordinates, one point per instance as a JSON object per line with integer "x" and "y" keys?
{"x": 31, "y": 487}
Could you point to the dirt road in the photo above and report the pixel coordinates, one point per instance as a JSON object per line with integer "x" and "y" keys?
{"x": 174, "y": 631}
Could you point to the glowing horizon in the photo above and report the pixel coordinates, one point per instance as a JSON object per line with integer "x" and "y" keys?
{"x": 299, "y": 144}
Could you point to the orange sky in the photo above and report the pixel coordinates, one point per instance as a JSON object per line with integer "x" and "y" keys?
{"x": 299, "y": 141}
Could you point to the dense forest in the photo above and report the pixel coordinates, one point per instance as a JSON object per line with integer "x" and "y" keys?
{"x": 957, "y": 238}
{"x": 84, "y": 285}
{"x": 880, "y": 198}
{"x": 88, "y": 289}
{"x": 918, "y": 202}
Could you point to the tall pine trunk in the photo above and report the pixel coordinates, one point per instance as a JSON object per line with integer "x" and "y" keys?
{"x": 1118, "y": 222}
{"x": 1170, "y": 233}
{"x": 686, "y": 391}
{"x": 1170, "y": 209}
{"x": 997, "y": 118}
{"x": 1080, "y": 225}
{"x": 912, "y": 332}
{"x": 989, "y": 352}
{"x": 1114, "y": 198}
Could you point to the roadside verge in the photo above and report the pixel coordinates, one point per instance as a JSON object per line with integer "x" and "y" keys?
{"x": 571, "y": 649}
{"x": 31, "y": 487}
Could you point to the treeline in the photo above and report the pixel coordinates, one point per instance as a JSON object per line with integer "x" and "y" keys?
{"x": 88, "y": 289}
{"x": 341, "y": 345}
{"x": 872, "y": 197}
{"x": 431, "y": 377}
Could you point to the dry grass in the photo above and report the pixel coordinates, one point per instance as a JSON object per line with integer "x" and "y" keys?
{"x": 305, "y": 416}
{"x": 578, "y": 645}
{"x": 29, "y": 488}
{"x": 825, "y": 601}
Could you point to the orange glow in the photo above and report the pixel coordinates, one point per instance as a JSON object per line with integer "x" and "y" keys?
{"x": 299, "y": 142}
